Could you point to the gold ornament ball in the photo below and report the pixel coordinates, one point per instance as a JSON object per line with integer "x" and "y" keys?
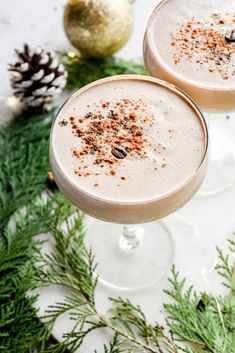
{"x": 98, "y": 28}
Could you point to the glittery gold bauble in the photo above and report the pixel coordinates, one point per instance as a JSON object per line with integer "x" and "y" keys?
{"x": 98, "y": 28}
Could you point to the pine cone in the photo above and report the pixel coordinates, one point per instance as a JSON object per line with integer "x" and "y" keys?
{"x": 37, "y": 77}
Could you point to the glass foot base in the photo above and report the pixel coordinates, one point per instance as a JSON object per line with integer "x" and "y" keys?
{"x": 126, "y": 262}
{"x": 221, "y": 168}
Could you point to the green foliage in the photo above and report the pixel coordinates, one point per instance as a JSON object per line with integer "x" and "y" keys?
{"x": 200, "y": 319}
{"x": 203, "y": 319}
{"x": 23, "y": 162}
{"x": 130, "y": 323}
{"x": 19, "y": 325}
{"x": 83, "y": 71}
{"x": 226, "y": 269}
{"x": 23, "y": 174}
{"x": 72, "y": 266}
{"x": 114, "y": 346}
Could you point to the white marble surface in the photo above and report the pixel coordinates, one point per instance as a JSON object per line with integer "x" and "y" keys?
{"x": 40, "y": 22}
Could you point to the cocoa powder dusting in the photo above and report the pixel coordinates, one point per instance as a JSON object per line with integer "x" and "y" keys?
{"x": 109, "y": 135}
{"x": 206, "y": 42}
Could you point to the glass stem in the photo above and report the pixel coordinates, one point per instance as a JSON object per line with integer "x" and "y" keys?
{"x": 131, "y": 237}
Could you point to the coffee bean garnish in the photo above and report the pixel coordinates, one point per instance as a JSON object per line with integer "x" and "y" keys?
{"x": 230, "y": 35}
{"x": 118, "y": 152}
{"x": 111, "y": 115}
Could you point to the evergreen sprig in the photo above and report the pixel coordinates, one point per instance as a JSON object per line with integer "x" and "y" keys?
{"x": 226, "y": 269}
{"x": 203, "y": 319}
{"x": 83, "y": 71}
{"x": 23, "y": 162}
{"x": 19, "y": 325}
{"x": 72, "y": 266}
{"x": 200, "y": 319}
{"x": 114, "y": 346}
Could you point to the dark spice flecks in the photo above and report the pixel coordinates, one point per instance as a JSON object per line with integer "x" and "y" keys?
{"x": 63, "y": 122}
{"x": 109, "y": 134}
{"x": 209, "y": 43}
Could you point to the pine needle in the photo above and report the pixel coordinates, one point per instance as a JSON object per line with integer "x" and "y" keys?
{"x": 83, "y": 71}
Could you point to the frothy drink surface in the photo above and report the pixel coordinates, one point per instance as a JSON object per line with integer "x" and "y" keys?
{"x": 128, "y": 140}
{"x": 196, "y": 40}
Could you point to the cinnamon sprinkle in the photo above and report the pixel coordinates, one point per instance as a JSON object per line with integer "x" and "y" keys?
{"x": 117, "y": 128}
{"x": 110, "y": 133}
{"x": 204, "y": 42}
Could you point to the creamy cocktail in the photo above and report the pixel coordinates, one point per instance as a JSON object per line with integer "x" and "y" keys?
{"x": 129, "y": 149}
{"x": 192, "y": 45}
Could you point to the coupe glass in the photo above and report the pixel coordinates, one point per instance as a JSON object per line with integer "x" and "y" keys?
{"x": 214, "y": 102}
{"x": 133, "y": 248}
